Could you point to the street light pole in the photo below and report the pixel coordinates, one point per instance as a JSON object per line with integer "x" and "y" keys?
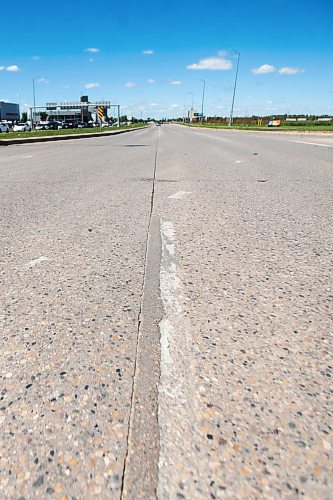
{"x": 203, "y": 98}
{"x": 34, "y": 99}
{"x": 233, "y": 97}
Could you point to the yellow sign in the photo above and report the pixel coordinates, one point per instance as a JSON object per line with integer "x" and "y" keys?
{"x": 100, "y": 112}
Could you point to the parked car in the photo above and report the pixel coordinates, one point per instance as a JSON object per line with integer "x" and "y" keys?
{"x": 4, "y": 127}
{"x": 69, "y": 124}
{"x": 47, "y": 126}
{"x": 80, "y": 125}
{"x": 21, "y": 127}
{"x": 52, "y": 125}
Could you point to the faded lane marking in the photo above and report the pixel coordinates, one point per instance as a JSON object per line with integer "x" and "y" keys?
{"x": 170, "y": 285}
{"x": 238, "y": 161}
{"x": 177, "y": 396}
{"x": 178, "y": 195}
{"x": 314, "y": 144}
{"x": 36, "y": 262}
{"x": 166, "y": 330}
{"x": 28, "y": 156}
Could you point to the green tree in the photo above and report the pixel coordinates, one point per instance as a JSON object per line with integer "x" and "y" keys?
{"x": 24, "y": 116}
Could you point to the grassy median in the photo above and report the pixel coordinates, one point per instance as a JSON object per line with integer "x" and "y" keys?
{"x": 48, "y": 133}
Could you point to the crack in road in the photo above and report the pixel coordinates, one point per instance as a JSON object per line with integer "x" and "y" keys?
{"x": 142, "y": 433}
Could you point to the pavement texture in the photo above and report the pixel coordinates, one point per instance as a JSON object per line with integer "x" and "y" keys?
{"x": 166, "y": 312}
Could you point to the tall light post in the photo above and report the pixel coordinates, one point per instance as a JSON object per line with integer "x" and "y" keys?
{"x": 34, "y": 99}
{"x": 203, "y": 98}
{"x": 233, "y": 96}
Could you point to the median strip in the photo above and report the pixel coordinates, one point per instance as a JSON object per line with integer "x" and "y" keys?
{"x": 64, "y": 137}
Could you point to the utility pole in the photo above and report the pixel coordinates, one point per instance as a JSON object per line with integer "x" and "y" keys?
{"x": 233, "y": 97}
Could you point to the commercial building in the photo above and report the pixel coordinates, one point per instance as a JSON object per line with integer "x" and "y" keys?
{"x": 76, "y": 111}
{"x": 9, "y": 111}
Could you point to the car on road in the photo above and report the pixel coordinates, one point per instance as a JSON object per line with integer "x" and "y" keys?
{"x": 21, "y": 127}
{"x": 4, "y": 127}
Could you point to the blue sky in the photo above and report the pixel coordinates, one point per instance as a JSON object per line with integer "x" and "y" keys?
{"x": 150, "y": 56}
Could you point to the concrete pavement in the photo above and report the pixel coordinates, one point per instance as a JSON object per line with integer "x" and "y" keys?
{"x": 166, "y": 302}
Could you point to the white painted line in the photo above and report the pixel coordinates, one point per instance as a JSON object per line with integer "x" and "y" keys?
{"x": 28, "y": 156}
{"x": 238, "y": 161}
{"x": 178, "y": 195}
{"x": 36, "y": 262}
{"x": 314, "y": 144}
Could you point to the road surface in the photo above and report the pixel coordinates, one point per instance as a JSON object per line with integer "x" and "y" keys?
{"x": 166, "y": 316}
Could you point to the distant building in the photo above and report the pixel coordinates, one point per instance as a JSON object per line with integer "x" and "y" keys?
{"x": 9, "y": 111}
{"x": 192, "y": 114}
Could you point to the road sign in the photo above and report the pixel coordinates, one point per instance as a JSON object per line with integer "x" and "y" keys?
{"x": 100, "y": 112}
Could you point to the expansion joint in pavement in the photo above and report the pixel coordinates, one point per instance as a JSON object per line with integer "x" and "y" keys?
{"x": 140, "y": 470}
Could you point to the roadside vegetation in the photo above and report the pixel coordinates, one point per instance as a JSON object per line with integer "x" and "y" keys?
{"x": 295, "y": 123}
{"x": 264, "y": 128}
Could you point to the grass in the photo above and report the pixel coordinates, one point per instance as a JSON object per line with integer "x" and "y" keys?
{"x": 48, "y": 133}
{"x": 282, "y": 128}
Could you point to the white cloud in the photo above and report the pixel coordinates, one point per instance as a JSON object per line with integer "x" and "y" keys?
{"x": 216, "y": 63}
{"x": 153, "y": 104}
{"x": 175, "y": 82}
{"x": 36, "y": 58}
{"x": 290, "y": 71}
{"x": 42, "y": 80}
{"x": 175, "y": 105}
{"x": 264, "y": 69}
{"x": 148, "y": 52}
{"x": 91, "y": 85}
{"x": 151, "y": 80}
{"x": 13, "y": 68}
{"x": 92, "y": 50}
{"x": 2, "y": 68}
{"x": 130, "y": 85}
